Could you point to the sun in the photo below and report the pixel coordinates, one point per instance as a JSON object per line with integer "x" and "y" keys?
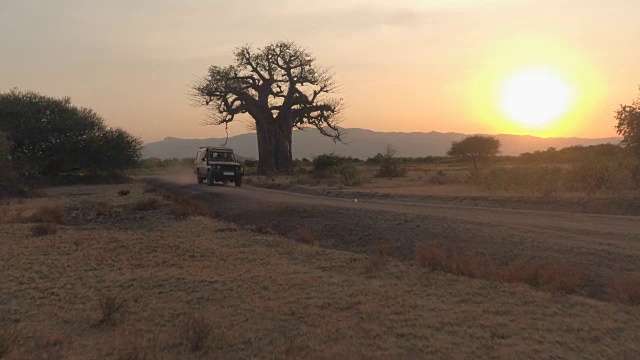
{"x": 535, "y": 97}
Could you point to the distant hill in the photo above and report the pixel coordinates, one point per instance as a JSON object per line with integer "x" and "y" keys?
{"x": 363, "y": 144}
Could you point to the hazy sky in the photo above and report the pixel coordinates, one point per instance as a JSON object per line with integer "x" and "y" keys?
{"x": 405, "y": 65}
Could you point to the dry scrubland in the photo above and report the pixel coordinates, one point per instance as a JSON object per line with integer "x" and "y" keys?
{"x": 123, "y": 272}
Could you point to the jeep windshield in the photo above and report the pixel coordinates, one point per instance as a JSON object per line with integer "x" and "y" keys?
{"x": 222, "y": 156}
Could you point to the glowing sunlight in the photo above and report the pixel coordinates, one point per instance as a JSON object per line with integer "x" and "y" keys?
{"x": 535, "y": 97}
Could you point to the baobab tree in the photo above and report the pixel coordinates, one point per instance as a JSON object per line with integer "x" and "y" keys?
{"x": 281, "y": 88}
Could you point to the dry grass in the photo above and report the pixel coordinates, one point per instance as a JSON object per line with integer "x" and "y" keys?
{"x": 626, "y": 288}
{"x": 101, "y": 207}
{"x": 147, "y": 204}
{"x": 183, "y": 208}
{"x": 379, "y": 259}
{"x": 196, "y": 333}
{"x": 555, "y": 277}
{"x": 261, "y": 289}
{"x": 110, "y": 305}
{"x": 49, "y": 214}
{"x": 44, "y": 229}
{"x": 124, "y": 192}
{"x": 306, "y": 236}
{"x": 8, "y": 339}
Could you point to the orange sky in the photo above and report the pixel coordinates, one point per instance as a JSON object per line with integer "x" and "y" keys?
{"x": 405, "y": 65}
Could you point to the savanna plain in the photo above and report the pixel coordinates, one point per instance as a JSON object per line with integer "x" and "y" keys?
{"x": 163, "y": 268}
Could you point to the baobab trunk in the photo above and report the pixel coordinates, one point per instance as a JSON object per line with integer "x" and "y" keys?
{"x": 266, "y": 156}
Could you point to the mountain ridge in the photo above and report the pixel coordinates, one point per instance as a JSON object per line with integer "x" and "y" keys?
{"x": 364, "y": 143}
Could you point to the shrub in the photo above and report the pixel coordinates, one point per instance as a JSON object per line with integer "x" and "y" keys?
{"x": 49, "y": 214}
{"x": 44, "y": 229}
{"x": 326, "y": 165}
{"x": 390, "y": 167}
{"x": 440, "y": 178}
{"x": 350, "y": 175}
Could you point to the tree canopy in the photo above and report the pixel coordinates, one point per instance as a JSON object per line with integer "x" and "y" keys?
{"x": 475, "y": 147}
{"x": 50, "y": 136}
{"x": 628, "y": 126}
{"x": 281, "y": 88}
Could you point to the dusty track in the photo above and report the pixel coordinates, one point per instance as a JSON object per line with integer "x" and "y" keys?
{"x": 601, "y": 244}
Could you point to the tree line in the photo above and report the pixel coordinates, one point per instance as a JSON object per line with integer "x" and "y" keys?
{"x": 43, "y": 137}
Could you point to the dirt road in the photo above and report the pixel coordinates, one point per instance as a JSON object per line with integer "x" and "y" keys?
{"x": 601, "y": 244}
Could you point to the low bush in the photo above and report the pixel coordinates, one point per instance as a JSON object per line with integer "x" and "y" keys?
{"x": 390, "y": 166}
{"x": 614, "y": 176}
{"x": 350, "y": 176}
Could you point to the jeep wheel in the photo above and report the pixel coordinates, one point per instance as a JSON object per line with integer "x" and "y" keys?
{"x": 210, "y": 180}
{"x": 200, "y": 180}
{"x": 238, "y": 181}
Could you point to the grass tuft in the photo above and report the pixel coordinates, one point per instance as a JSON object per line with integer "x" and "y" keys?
{"x": 44, "y": 229}
{"x": 379, "y": 259}
{"x": 196, "y": 332}
{"x": 147, "y": 204}
{"x": 101, "y": 208}
{"x": 110, "y": 305}
{"x": 305, "y": 236}
{"x": 430, "y": 257}
{"x": 49, "y": 214}
{"x": 124, "y": 192}
{"x": 183, "y": 208}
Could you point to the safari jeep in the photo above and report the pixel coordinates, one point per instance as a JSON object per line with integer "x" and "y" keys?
{"x": 217, "y": 164}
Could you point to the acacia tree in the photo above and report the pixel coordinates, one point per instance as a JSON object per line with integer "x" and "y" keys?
{"x": 628, "y": 117}
{"x": 281, "y": 88}
{"x": 475, "y": 147}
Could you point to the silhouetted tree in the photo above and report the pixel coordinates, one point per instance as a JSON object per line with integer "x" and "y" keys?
{"x": 281, "y": 88}
{"x": 8, "y": 178}
{"x": 475, "y": 147}
{"x": 628, "y": 127}
{"x": 50, "y": 136}
{"x": 390, "y": 166}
